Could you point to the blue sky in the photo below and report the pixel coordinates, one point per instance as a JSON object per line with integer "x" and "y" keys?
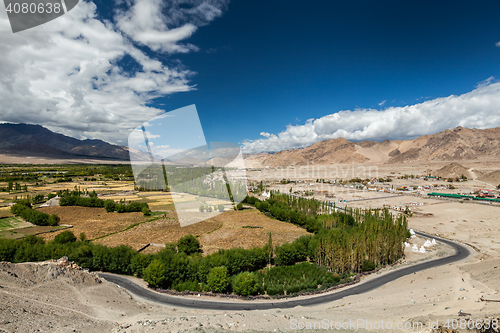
{"x": 258, "y": 70}
{"x": 283, "y": 62}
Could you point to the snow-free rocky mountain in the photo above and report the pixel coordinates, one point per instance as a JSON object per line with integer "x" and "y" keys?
{"x": 450, "y": 145}
{"x": 35, "y": 140}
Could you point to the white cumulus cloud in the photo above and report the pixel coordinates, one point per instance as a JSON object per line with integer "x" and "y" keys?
{"x": 479, "y": 108}
{"x": 66, "y": 75}
{"x": 162, "y": 25}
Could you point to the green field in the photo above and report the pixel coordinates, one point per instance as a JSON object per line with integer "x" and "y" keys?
{"x": 15, "y": 227}
{"x": 7, "y": 223}
{"x": 34, "y": 230}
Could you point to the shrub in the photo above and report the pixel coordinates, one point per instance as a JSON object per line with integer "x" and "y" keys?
{"x": 146, "y": 211}
{"x": 120, "y": 208}
{"x": 109, "y": 205}
{"x": 245, "y": 284}
{"x": 251, "y": 200}
{"x": 286, "y": 255}
{"x": 139, "y": 263}
{"x": 53, "y": 220}
{"x": 33, "y": 239}
{"x": 368, "y": 266}
{"x": 154, "y": 274}
{"x": 296, "y": 278}
{"x": 239, "y": 206}
{"x": 188, "y": 285}
{"x": 65, "y": 237}
{"x": 218, "y": 279}
{"x": 189, "y": 244}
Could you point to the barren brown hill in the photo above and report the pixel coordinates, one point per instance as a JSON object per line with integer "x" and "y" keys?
{"x": 491, "y": 178}
{"x": 457, "y": 144}
{"x": 455, "y": 170}
{"x": 324, "y": 152}
{"x": 454, "y": 145}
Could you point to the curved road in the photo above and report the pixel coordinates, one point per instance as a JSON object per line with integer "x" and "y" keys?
{"x": 462, "y": 252}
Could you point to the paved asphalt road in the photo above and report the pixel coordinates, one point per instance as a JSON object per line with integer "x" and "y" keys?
{"x": 462, "y": 252}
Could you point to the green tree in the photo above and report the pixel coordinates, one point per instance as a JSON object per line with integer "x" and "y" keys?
{"x": 146, "y": 211}
{"x": 245, "y": 284}
{"x": 269, "y": 249}
{"x": 189, "y": 244}
{"x": 53, "y": 220}
{"x": 221, "y": 207}
{"x": 65, "y": 237}
{"x": 286, "y": 255}
{"x": 109, "y": 205}
{"x": 218, "y": 279}
{"x": 154, "y": 274}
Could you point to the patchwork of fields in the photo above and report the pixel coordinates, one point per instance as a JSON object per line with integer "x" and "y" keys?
{"x": 247, "y": 229}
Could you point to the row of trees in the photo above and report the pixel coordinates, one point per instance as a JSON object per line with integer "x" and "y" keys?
{"x": 350, "y": 241}
{"x": 179, "y": 266}
{"x": 74, "y": 198}
{"x": 377, "y": 239}
{"x": 14, "y": 187}
{"x": 23, "y": 209}
{"x": 122, "y": 207}
{"x": 34, "y": 199}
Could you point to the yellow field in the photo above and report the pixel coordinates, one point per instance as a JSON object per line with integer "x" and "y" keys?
{"x": 154, "y": 193}
{"x": 121, "y": 197}
{"x": 218, "y": 202}
{"x": 161, "y": 203}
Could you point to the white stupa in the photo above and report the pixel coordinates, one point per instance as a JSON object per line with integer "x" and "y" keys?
{"x": 422, "y": 249}
{"x": 427, "y": 243}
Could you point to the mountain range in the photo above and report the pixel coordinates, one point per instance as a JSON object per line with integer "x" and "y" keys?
{"x": 450, "y": 145}
{"x": 35, "y": 140}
